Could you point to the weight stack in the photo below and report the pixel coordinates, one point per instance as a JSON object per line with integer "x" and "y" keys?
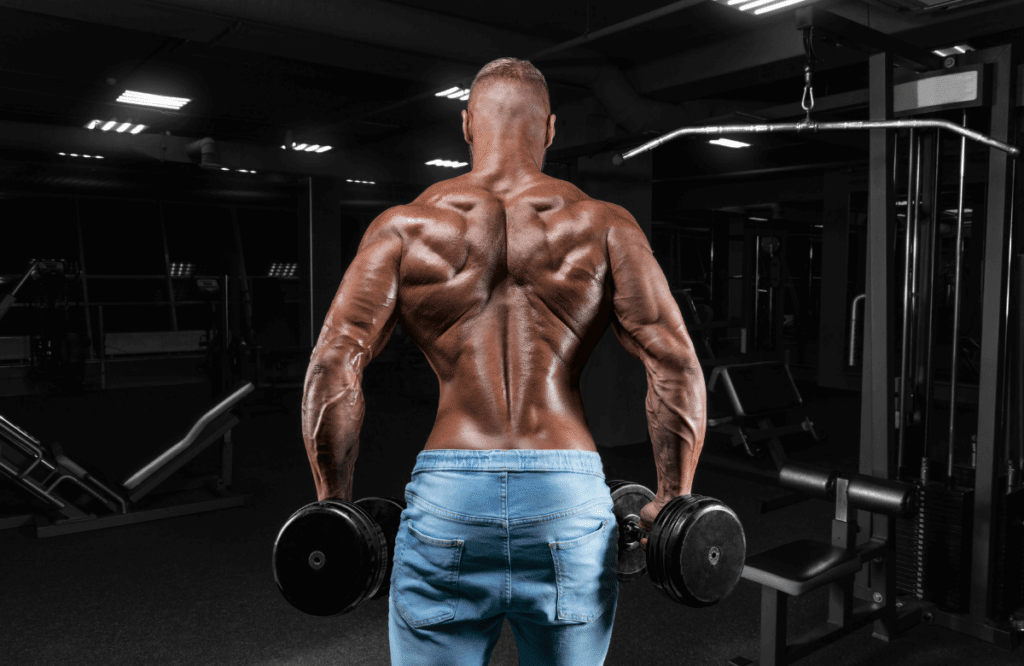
{"x": 933, "y": 547}
{"x": 1009, "y": 556}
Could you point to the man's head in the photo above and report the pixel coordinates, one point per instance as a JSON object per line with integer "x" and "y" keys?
{"x": 509, "y": 98}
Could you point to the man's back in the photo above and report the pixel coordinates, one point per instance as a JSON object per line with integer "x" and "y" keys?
{"x": 507, "y": 294}
{"x": 506, "y": 279}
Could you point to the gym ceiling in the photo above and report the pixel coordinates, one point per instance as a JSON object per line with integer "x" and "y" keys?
{"x": 361, "y": 76}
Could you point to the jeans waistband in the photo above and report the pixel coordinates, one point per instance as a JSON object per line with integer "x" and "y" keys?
{"x": 514, "y": 460}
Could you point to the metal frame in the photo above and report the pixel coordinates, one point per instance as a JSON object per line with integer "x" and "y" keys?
{"x": 812, "y": 126}
{"x": 844, "y": 614}
{"x": 999, "y": 207}
{"x": 215, "y": 425}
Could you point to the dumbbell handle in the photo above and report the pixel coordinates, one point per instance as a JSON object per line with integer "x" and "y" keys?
{"x": 632, "y": 532}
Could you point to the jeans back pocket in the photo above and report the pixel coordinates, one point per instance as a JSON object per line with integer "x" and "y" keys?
{"x": 586, "y": 576}
{"x": 426, "y": 581}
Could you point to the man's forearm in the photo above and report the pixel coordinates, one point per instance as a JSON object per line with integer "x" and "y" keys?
{"x": 332, "y": 415}
{"x": 676, "y": 417}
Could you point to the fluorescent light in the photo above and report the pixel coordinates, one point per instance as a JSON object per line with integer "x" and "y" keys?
{"x": 62, "y": 153}
{"x": 74, "y": 154}
{"x": 182, "y": 269}
{"x": 758, "y": 219}
{"x": 149, "y": 99}
{"x": 310, "y": 147}
{"x": 284, "y": 147}
{"x": 86, "y": 155}
{"x": 99, "y": 157}
{"x": 729, "y": 143}
{"x": 755, "y": 3}
{"x": 445, "y": 93}
{"x": 778, "y": 5}
{"x": 108, "y": 125}
{"x": 446, "y": 163}
{"x": 464, "y": 97}
{"x": 225, "y": 169}
{"x": 282, "y": 270}
{"x": 459, "y": 92}
{"x": 953, "y": 50}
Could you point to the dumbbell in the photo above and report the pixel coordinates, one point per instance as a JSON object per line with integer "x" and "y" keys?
{"x": 695, "y": 547}
{"x": 333, "y": 555}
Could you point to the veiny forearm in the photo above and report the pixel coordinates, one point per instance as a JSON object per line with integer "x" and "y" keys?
{"x": 677, "y": 419}
{"x": 332, "y": 415}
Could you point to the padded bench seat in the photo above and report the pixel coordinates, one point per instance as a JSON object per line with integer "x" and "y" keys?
{"x": 798, "y": 567}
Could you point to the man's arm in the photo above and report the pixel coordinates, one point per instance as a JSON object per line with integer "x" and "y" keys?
{"x": 356, "y": 328}
{"x": 649, "y": 325}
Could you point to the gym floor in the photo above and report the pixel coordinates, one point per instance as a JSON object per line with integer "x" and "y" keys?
{"x": 198, "y": 589}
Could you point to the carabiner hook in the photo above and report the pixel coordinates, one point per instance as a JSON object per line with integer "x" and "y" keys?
{"x": 807, "y": 101}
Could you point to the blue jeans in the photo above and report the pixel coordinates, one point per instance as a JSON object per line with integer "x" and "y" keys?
{"x": 523, "y": 535}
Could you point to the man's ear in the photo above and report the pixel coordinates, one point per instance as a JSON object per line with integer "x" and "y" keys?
{"x": 465, "y": 127}
{"x": 550, "y": 132}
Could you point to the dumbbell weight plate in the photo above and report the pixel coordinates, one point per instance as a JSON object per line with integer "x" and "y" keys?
{"x": 629, "y": 499}
{"x": 387, "y": 513}
{"x": 696, "y": 550}
{"x": 329, "y": 557}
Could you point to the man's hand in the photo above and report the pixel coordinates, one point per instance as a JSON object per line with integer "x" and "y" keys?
{"x": 649, "y": 513}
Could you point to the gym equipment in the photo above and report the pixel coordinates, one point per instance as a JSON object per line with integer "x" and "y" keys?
{"x": 756, "y": 391}
{"x": 799, "y": 567}
{"x": 810, "y": 126}
{"x": 743, "y": 399}
{"x": 35, "y": 267}
{"x": 43, "y": 471}
{"x": 331, "y": 556}
{"x": 975, "y": 489}
{"x": 695, "y": 547}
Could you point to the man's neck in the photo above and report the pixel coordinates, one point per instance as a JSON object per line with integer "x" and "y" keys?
{"x": 503, "y": 161}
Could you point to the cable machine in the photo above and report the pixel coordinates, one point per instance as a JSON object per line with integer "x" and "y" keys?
{"x": 959, "y": 556}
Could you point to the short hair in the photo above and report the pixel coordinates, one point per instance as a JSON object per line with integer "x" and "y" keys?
{"x": 513, "y": 69}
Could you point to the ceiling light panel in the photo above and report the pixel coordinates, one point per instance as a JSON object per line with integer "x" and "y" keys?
{"x": 759, "y": 7}
{"x": 108, "y": 125}
{"x": 953, "y": 50}
{"x": 729, "y": 143}
{"x": 282, "y": 270}
{"x": 455, "y": 92}
{"x": 446, "y": 163}
{"x": 309, "y": 147}
{"x": 149, "y": 99}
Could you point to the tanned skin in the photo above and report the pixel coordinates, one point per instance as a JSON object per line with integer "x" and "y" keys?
{"x": 506, "y": 279}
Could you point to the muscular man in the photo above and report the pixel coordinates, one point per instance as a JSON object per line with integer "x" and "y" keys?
{"x": 506, "y": 279}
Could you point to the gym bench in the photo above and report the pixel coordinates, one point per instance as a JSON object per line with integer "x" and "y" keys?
{"x": 799, "y": 567}
{"x": 49, "y": 476}
{"x": 754, "y": 392}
